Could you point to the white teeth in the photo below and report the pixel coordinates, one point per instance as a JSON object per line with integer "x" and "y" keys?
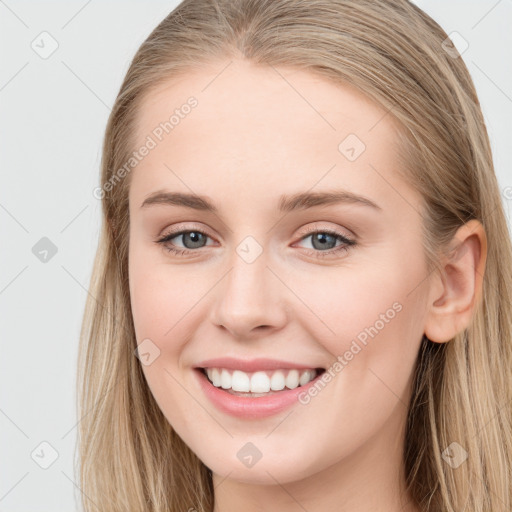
{"x": 261, "y": 381}
{"x": 225, "y": 379}
{"x": 277, "y": 381}
{"x": 306, "y": 376}
{"x": 215, "y": 377}
{"x": 240, "y": 381}
{"x": 292, "y": 379}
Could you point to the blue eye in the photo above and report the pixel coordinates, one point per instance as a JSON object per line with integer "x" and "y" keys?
{"x": 193, "y": 237}
{"x": 321, "y": 241}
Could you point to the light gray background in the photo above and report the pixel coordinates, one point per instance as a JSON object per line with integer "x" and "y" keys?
{"x": 53, "y": 113}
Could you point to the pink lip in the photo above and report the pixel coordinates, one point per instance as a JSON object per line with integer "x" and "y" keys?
{"x": 251, "y": 408}
{"x": 252, "y": 365}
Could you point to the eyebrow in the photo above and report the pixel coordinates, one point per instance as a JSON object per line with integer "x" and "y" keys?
{"x": 295, "y": 202}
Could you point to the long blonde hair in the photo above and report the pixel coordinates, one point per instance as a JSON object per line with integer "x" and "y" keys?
{"x": 130, "y": 458}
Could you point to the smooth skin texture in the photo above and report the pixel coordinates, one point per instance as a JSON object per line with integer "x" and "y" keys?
{"x": 259, "y": 133}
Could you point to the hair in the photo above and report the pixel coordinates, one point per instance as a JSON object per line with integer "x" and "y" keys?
{"x": 130, "y": 457}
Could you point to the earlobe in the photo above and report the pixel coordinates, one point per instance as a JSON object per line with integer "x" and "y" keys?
{"x": 457, "y": 289}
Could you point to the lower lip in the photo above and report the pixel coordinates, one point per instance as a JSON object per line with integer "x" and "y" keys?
{"x": 251, "y": 408}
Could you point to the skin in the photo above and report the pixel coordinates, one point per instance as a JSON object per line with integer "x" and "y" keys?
{"x": 256, "y": 134}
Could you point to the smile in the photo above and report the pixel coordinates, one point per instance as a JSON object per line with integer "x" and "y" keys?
{"x": 259, "y": 383}
{"x": 258, "y": 393}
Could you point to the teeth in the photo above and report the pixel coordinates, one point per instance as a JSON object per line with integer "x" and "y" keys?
{"x": 259, "y": 382}
{"x": 277, "y": 381}
{"x": 292, "y": 379}
{"x": 240, "y": 381}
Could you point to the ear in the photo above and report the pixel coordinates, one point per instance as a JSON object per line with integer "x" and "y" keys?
{"x": 456, "y": 290}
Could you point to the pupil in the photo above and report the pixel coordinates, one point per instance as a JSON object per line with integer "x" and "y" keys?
{"x": 194, "y": 239}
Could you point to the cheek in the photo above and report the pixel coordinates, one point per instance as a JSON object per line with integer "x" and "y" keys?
{"x": 159, "y": 294}
{"x": 369, "y": 318}
{"x": 162, "y": 300}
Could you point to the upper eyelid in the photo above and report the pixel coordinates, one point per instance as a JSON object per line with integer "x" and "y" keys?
{"x": 309, "y": 230}
{"x": 321, "y": 229}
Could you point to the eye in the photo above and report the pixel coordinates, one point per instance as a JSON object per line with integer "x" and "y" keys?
{"x": 191, "y": 239}
{"x": 324, "y": 242}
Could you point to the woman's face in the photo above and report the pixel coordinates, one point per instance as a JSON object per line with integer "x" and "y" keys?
{"x": 303, "y": 251}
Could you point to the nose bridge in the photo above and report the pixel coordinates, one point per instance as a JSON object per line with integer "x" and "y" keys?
{"x": 250, "y": 295}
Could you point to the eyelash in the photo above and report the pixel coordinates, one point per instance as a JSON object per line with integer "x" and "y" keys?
{"x": 348, "y": 243}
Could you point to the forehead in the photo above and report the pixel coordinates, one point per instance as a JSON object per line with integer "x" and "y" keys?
{"x": 239, "y": 94}
{"x": 260, "y": 126}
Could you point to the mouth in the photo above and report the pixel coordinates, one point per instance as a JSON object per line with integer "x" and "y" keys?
{"x": 259, "y": 383}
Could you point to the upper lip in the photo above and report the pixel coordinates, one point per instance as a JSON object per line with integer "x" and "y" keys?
{"x": 252, "y": 365}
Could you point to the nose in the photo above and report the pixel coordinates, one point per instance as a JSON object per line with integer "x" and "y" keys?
{"x": 250, "y": 300}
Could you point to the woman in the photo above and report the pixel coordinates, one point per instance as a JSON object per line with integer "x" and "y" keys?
{"x": 301, "y": 296}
